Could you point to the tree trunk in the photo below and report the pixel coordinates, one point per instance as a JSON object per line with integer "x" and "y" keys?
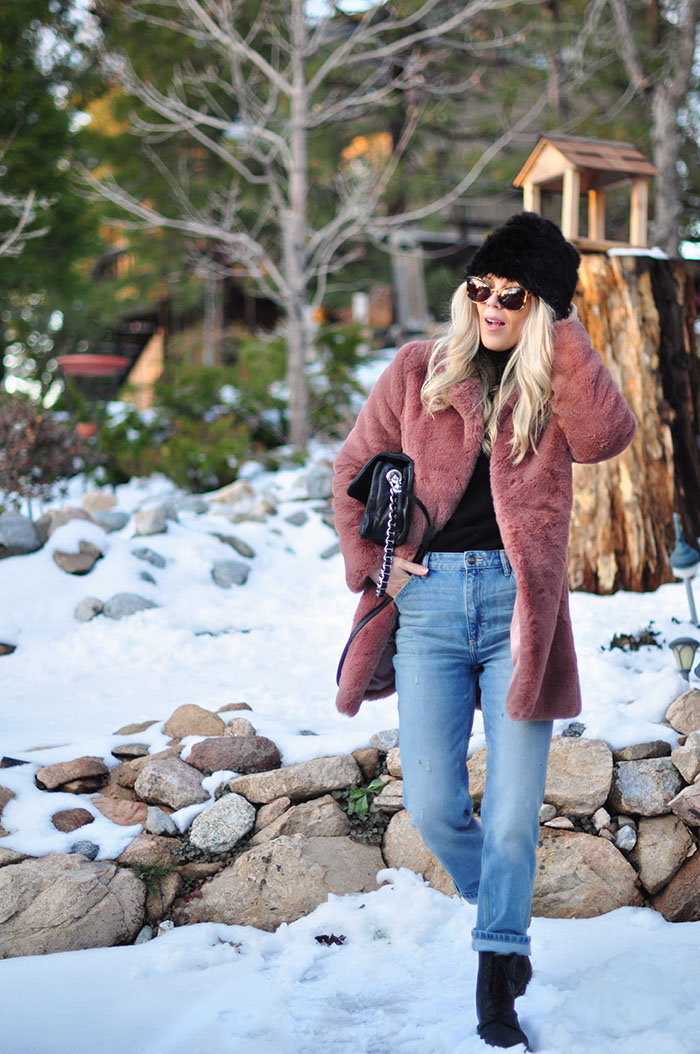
{"x": 640, "y": 314}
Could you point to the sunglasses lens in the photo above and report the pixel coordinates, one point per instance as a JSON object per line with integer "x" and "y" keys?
{"x": 477, "y": 290}
{"x": 513, "y": 298}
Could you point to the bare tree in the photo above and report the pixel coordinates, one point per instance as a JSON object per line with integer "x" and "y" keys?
{"x": 663, "y": 75}
{"x": 271, "y": 87}
{"x": 23, "y": 212}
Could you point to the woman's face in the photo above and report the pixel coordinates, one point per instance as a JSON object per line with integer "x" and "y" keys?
{"x": 499, "y": 328}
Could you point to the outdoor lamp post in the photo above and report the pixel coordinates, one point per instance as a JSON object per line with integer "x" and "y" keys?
{"x": 684, "y": 562}
{"x": 684, "y": 649}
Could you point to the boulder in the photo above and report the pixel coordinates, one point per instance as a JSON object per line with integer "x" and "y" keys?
{"x": 230, "y": 707}
{"x": 55, "y": 518}
{"x": 644, "y": 788}
{"x": 227, "y": 573}
{"x": 385, "y": 739}
{"x": 68, "y": 820}
{"x": 320, "y": 818}
{"x": 63, "y": 903}
{"x": 684, "y": 712}
{"x": 580, "y": 876}
{"x": 687, "y": 758}
{"x": 159, "y": 822}
{"x": 193, "y": 720}
{"x": 662, "y": 846}
{"x": 111, "y": 520}
{"x": 309, "y": 779}
{"x": 18, "y": 535}
{"x": 119, "y": 811}
{"x": 223, "y": 824}
{"x": 151, "y": 521}
{"x": 241, "y": 547}
{"x": 9, "y": 856}
{"x": 393, "y": 763}
{"x": 151, "y": 557}
{"x": 579, "y": 774}
{"x": 88, "y": 608}
{"x": 134, "y": 729}
{"x": 657, "y": 748}
{"x": 90, "y": 772}
{"x": 121, "y": 605}
{"x": 239, "y": 726}
{"x": 368, "y": 760}
{"x": 281, "y": 881}
{"x": 148, "y": 851}
{"x": 404, "y": 847}
{"x": 476, "y": 767}
{"x": 98, "y": 501}
{"x": 129, "y": 751}
{"x": 390, "y": 798}
{"x": 269, "y": 813}
{"x": 169, "y": 781}
{"x": 680, "y": 900}
{"x": 686, "y": 805}
{"x": 161, "y": 893}
{"x": 80, "y": 563}
{"x": 5, "y": 795}
{"x": 241, "y": 754}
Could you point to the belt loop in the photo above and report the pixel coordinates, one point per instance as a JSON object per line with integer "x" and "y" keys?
{"x": 507, "y": 570}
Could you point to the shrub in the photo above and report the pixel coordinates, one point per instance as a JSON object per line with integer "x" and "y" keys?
{"x": 38, "y": 451}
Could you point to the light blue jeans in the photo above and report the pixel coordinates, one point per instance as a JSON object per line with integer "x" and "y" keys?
{"x": 453, "y": 650}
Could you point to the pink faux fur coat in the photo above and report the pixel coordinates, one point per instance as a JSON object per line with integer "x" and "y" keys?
{"x": 590, "y": 422}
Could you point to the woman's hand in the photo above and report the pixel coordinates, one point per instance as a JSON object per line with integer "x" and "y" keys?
{"x": 401, "y": 571}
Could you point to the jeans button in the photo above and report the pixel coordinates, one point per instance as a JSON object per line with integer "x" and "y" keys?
{"x": 471, "y": 559}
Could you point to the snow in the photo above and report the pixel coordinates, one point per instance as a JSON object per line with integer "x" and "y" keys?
{"x": 402, "y": 981}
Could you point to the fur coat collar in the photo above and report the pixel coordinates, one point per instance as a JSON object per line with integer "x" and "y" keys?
{"x": 590, "y": 422}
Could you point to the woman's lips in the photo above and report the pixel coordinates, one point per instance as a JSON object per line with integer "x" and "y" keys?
{"x": 494, "y": 323}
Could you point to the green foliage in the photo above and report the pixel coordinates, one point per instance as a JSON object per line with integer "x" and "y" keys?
{"x": 152, "y": 875}
{"x": 359, "y": 798}
{"x": 37, "y": 451}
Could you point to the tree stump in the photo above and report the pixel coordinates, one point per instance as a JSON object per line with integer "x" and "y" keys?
{"x": 640, "y": 314}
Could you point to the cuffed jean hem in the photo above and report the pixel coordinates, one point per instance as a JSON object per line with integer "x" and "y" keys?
{"x": 471, "y": 898}
{"x": 501, "y": 943}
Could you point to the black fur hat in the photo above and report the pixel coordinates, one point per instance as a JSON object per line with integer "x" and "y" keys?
{"x": 532, "y": 251}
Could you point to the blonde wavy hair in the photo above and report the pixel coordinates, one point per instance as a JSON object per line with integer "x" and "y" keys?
{"x": 456, "y": 357}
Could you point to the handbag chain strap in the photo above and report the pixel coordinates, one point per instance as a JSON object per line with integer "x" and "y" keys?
{"x": 395, "y": 481}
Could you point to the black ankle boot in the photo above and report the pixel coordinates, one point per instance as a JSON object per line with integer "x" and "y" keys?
{"x": 501, "y": 979}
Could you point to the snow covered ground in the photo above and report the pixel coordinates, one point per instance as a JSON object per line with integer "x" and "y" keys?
{"x": 402, "y": 982}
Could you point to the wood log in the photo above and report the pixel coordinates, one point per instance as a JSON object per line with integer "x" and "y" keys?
{"x": 641, "y": 314}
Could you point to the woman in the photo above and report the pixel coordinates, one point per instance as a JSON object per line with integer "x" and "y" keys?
{"x": 493, "y": 415}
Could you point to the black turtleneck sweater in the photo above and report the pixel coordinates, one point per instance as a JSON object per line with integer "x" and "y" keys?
{"x": 473, "y": 523}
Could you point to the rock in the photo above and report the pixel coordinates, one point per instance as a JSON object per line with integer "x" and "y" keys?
{"x": 150, "y": 521}
{"x": 240, "y": 492}
{"x": 228, "y": 707}
{"x": 169, "y": 781}
{"x": 5, "y": 795}
{"x": 121, "y": 605}
{"x": 239, "y": 726}
{"x": 574, "y": 729}
{"x": 159, "y": 822}
{"x": 199, "y": 870}
{"x": 148, "y": 851}
{"x": 126, "y": 773}
{"x": 579, "y": 774}
{"x": 7, "y": 649}
{"x": 111, "y": 520}
{"x": 146, "y": 576}
{"x": 476, "y": 767}
{"x": 332, "y": 550}
{"x": 89, "y": 770}
{"x": 68, "y": 820}
{"x": 145, "y": 934}
{"x": 192, "y": 503}
{"x": 267, "y": 814}
{"x": 686, "y": 805}
{"x": 318, "y": 481}
{"x": 580, "y": 876}
{"x": 684, "y": 712}
{"x": 129, "y": 751}
{"x": 298, "y": 518}
{"x": 55, "y": 518}
{"x": 560, "y": 823}
{"x": 298, "y": 782}
{"x": 390, "y": 798}
{"x": 18, "y": 535}
{"x": 151, "y": 557}
{"x": 320, "y": 817}
{"x": 680, "y": 900}
{"x": 192, "y": 720}
{"x": 242, "y": 754}
{"x": 63, "y": 903}
{"x": 80, "y": 563}
{"x": 368, "y": 760}
{"x": 687, "y": 758}
{"x": 644, "y": 788}
{"x": 601, "y": 818}
{"x": 98, "y": 501}
{"x": 385, "y": 740}
{"x": 88, "y": 608}
{"x": 134, "y": 729}
{"x": 9, "y": 856}
{"x": 85, "y": 848}
{"x": 241, "y": 547}
{"x": 403, "y": 847}
{"x": 657, "y": 748}
{"x": 223, "y": 824}
{"x": 547, "y": 812}
{"x": 281, "y": 881}
{"x": 393, "y": 763}
{"x": 161, "y": 893}
{"x": 124, "y": 813}
{"x": 626, "y": 838}
{"x": 227, "y": 573}
{"x": 662, "y": 846}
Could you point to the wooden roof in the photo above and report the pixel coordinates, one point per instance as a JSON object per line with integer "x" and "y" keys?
{"x": 602, "y": 162}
